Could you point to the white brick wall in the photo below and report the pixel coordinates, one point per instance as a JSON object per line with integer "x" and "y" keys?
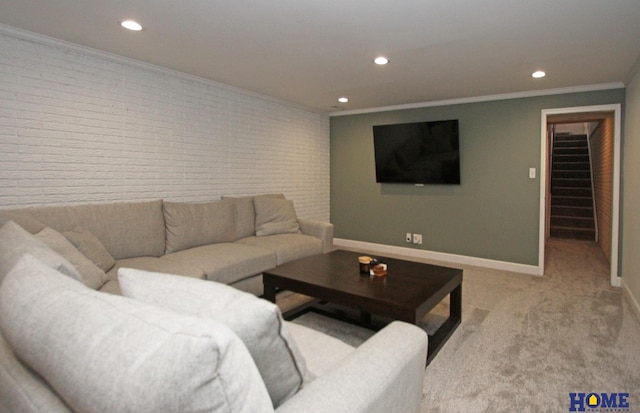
{"x": 77, "y": 126}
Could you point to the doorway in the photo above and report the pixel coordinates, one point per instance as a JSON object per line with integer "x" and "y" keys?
{"x": 604, "y": 123}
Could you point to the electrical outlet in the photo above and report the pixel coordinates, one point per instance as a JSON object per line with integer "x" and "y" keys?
{"x": 417, "y": 238}
{"x": 408, "y": 237}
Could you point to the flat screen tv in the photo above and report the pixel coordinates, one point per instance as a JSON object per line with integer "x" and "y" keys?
{"x": 417, "y": 153}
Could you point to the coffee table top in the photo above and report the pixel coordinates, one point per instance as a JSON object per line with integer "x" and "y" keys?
{"x": 409, "y": 291}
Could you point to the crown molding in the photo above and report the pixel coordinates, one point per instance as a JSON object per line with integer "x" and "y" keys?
{"x": 53, "y": 42}
{"x": 488, "y": 98}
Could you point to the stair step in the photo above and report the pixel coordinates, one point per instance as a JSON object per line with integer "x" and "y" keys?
{"x": 573, "y": 138}
{"x": 564, "y": 191}
{"x": 572, "y": 222}
{"x": 571, "y": 201}
{"x": 571, "y": 166}
{"x": 570, "y": 144}
{"x": 573, "y": 233}
{"x": 571, "y": 158}
{"x": 571, "y": 193}
{"x": 573, "y": 211}
{"x": 570, "y": 180}
{"x": 571, "y": 150}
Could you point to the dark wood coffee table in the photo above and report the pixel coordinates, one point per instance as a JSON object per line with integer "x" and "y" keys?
{"x": 407, "y": 293}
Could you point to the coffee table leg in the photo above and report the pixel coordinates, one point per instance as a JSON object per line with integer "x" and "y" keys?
{"x": 455, "y": 303}
{"x": 437, "y": 340}
{"x": 365, "y": 318}
{"x": 269, "y": 292}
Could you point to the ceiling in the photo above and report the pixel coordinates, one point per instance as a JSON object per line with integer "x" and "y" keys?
{"x": 311, "y": 52}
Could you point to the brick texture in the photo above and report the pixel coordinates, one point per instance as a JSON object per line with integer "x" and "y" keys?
{"x": 602, "y": 145}
{"x": 81, "y": 127}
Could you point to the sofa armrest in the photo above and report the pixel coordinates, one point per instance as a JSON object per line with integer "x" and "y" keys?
{"x": 385, "y": 374}
{"x": 319, "y": 229}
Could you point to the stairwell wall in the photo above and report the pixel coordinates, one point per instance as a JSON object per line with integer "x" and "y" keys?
{"x": 602, "y": 146}
{"x": 631, "y": 192}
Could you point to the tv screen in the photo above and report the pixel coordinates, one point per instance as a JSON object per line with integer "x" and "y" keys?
{"x": 417, "y": 153}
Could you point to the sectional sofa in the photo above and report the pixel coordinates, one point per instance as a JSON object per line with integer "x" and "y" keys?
{"x": 231, "y": 240}
{"x": 139, "y": 307}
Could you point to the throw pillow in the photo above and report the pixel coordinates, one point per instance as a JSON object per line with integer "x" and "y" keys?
{"x": 275, "y": 216}
{"x": 91, "y": 247}
{"x": 22, "y": 390}
{"x": 245, "y": 214}
{"x": 257, "y": 322}
{"x": 15, "y": 242}
{"x": 24, "y": 219}
{"x": 105, "y": 353}
{"x": 193, "y": 224}
{"x": 92, "y": 276}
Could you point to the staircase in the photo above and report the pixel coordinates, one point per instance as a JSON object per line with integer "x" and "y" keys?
{"x": 572, "y": 214}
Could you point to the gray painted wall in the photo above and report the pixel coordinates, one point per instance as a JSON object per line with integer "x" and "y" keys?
{"x": 631, "y": 192}
{"x": 493, "y": 214}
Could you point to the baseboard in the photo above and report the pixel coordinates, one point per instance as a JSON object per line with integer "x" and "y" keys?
{"x": 635, "y": 305}
{"x": 437, "y": 256}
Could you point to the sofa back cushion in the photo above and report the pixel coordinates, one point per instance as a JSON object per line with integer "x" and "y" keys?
{"x": 91, "y": 247}
{"x": 104, "y": 353}
{"x": 256, "y": 321}
{"x": 275, "y": 216}
{"x": 245, "y": 214}
{"x": 194, "y": 224}
{"x": 126, "y": 229}
{"x": 22, "y": 218}
{"x": 15, "y": 242}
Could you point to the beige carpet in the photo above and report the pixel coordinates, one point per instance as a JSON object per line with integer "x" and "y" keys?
{"x": 526, "y": 342}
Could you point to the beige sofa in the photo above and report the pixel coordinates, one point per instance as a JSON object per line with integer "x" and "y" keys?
{"x": 176, "y": 343}
{"x": 231, "y": 241}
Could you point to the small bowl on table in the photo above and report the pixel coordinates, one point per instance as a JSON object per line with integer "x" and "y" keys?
{"x": 379, "y": 270}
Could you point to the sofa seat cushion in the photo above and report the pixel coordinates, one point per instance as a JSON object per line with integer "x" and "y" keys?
{"x": 156, "y": 264}
{"x": 321, "y": 352}
{"x": 256, "y": 321}
{"x": 252, "y": 285}
{"x": 287, "y": 247}
{"x": 106, "y": 353}
{"x": 111, "y": 287}
{"x": 227, "y": 262}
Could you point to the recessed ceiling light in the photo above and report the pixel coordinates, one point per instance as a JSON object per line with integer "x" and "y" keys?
{"x": 343, "y": 99}
{"x": 538, "y": 74}
{"x": 381, "y": 60}
{"x": 131, "y": 25}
